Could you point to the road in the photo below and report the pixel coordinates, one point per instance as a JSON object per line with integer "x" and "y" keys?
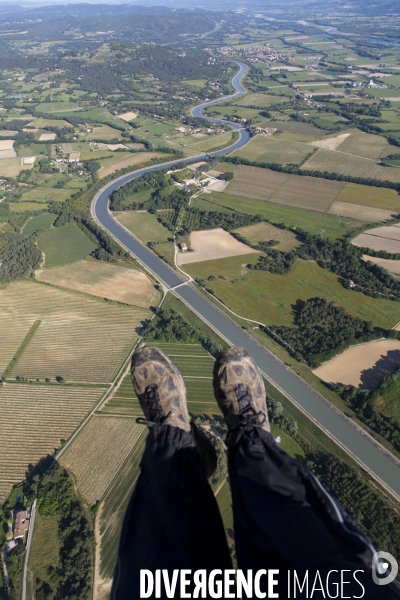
{"x": 380, "y": 463}
{"x": 27, "y": 551}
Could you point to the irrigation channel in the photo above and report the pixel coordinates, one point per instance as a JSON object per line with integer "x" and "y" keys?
{"x": 366, "y": 451}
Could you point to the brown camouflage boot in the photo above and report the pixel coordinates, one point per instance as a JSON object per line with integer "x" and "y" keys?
{"x": 160, "y": 388}
{"x": 239, "y": 390}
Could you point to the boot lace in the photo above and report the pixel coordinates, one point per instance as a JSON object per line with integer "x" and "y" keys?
{"x": 155, "y": 412}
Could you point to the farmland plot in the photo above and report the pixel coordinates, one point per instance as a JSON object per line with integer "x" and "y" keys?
{"x": 263, "y": 232}
{"x": 38, "y": 417}
{"x": 366, "y": 145}
{"x": 104, "y": 280}
{"x": 333, "y": 161}
{"x": 79, "y": 339}
{"x": 98, "y": 453}
{"x": 272, "y": 150}
{"x": 380, "y": 238}
{"x": 255, "y": 183}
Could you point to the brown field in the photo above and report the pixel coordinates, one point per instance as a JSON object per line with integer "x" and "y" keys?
{"x": 330, "y": 143}
{"x": 255, "y": 183}
{"x": 363, "y": 366}
{"x": 118, "y": 162}
{"x": 357, "y": 211}
{"x": 98, "y": 453}
{"x": 376, "y": 243}
{"x": 366, "y": 145}
{"x": 80, "y": 339}
{"x": 128, "y": 116}
{"x": 212, "y": 244}
{"x": 106, "y": 281}
{"x": 13, "y": 332}
{"x": 7, "y": 132}
{"x": 38, "y": 417}
{"x": 47, "y": 137}
{"x": 262, "y": 232}
{"x": 293, "y": 190}
{"x": 6, "y": 145}
{"x": 104, "y": 132}
{"x": 391, "y": 265}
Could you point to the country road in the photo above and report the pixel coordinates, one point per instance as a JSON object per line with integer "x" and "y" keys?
{"x": 375, "y": 459}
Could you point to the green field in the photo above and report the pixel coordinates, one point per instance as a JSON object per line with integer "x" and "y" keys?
{"x": 274, "y": 150}
{"x": 270, "y": 298}
{"x": 45, "y": 548}
{"x": 366, "y": 195}
{"x": 389, "y": 403}
{"x": 316, "y": 223}
{"x": 262, "y": 232}
{"x": 64, "y": 245}
{"x": 27, "y": 206}
{"x": 45, "y": 194}
{"x": 57, "y": 107}
{"x": 196, "y": 366}
{"x": 43, "y": 221}
{"x": 144, "y": 225}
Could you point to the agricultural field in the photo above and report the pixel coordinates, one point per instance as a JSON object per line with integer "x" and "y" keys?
{"x": 57, "y": 107}
{"x": 113, "y": 509}
{"x": 105, "y": 132}
{"x": 263, "y": 232}
{"x": 94, "y": 458}
{"x": 122, "y": 160}
{"x": 269, "y": 298}
{"x": 365, "y": 195}
{"x": 325, "y": 225}
{"x": 212, "y": 244}
{"x": 355, "y": 211}
{"x": 144, "y": 225}
{"x": 97, "y": 278}
{"x": 308, "y": 193}
{"x": 380, "y": 238}
{"x": 63, "y": 245}
{"x": 43, "y": 221}
{"x": 393, "y": 266}
{"x": 366, "y": 145}
{"x": 44, "y": 551}
{"x": 273, "y": 150}
{"x": 355, "y": 166}
{"x": 79, "y": 339}
{"x": 364, "y": 366}
{"x": 196, "y": 366}
{"x": 54, "y": 413}
{"x": 294, "y": 130}
{"x": 11, "y": 167}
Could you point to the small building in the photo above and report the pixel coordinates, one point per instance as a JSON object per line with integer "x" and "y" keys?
{"x": 183, "y": 246}
{"x": 21, "y": 524}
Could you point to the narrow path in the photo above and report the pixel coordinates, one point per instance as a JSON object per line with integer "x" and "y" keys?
{"x": 380, "y": 463}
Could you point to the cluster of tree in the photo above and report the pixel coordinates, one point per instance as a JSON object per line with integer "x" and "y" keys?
{"x": 340, "y": 257}
{"x": 322, "y": 330}
{"x": 196, "y": 219}
{"x": 365, "y": 403}
{"x": 367, "y": 506}
{"x": 73, "y": 577}
{"x": 18, "y": 257}
{"x": 153, "y": 180}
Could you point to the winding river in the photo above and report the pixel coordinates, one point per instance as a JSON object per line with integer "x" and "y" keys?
{"x": 366, "y": 451}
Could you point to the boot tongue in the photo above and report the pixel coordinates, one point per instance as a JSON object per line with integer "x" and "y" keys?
{"x": 243, "y": 397}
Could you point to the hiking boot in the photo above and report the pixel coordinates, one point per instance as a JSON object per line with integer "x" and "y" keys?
{"x": 239, "y": 390}
{"x": 160, "y": 388}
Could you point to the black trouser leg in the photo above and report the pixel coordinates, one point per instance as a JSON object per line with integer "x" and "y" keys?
{"x": 278, "y": 525}
{"x": 172, "y": 520}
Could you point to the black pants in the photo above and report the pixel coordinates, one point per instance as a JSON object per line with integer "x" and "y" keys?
{"x": 283, "y": 520}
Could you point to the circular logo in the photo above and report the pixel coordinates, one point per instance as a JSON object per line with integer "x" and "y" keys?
{"x": 384, "y": 568}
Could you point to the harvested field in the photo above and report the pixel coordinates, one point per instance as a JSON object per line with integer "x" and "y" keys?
{"x": 293, "y": 190}
{"x": 254, "y": 182}
{"x": 357, "y": 211}
{"x": 310, "y": 193}
{"x": 366, "y": 145}
{"x": 364, "y": 366}
{"x": 121, "y": 162}
{"x": 376, "y": 243}
{"x": 7, "y": 133}
{"x": 80, "y": 339}
{"x": 391, "y": 265}
{"x": 212, "y": 244}
{"x": 333, "y": 161}
{"x": 365, "y": 195}
{"x": 47, "y": 137}
{"x": 273, "y": 150}
{"x": 95, "y": 459}
{"x": 11, "y": 167}
{"x": 263, "y": 232}
{"x": 104, "y": 280}
{"x": 6, "y": 145}
{"x": 331, "y": 143}
{"x": 128, "y": 116}
{"x": 218, "y": 186}
{"x": 39, "y": 417}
